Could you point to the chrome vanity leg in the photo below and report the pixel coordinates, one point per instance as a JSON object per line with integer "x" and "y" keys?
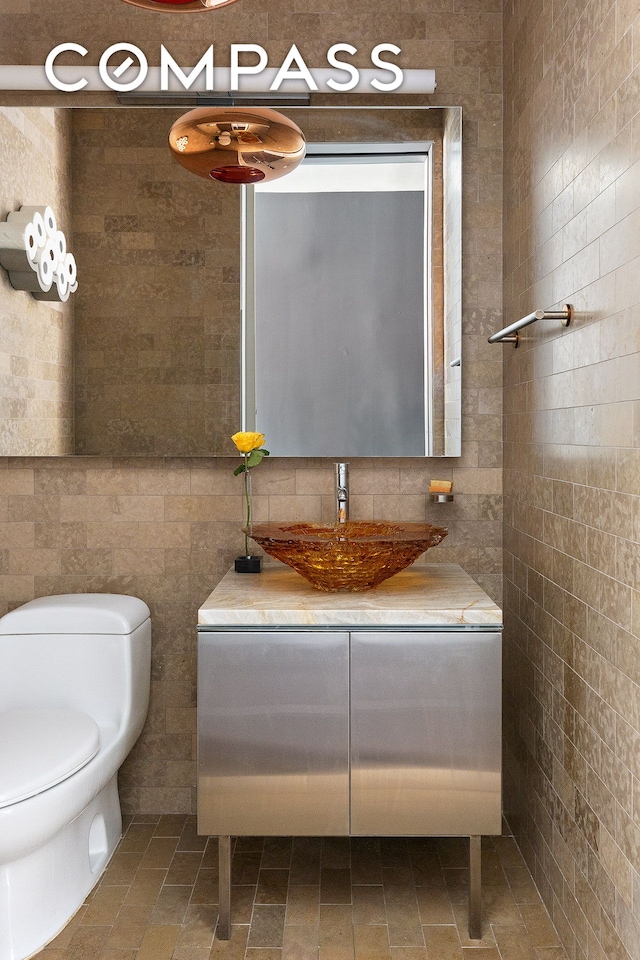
{"x": 224, "y": 888}
{"x": 475, "y": 888}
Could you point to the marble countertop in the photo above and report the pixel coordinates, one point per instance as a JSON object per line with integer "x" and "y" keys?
{"x": 424, "y": 595}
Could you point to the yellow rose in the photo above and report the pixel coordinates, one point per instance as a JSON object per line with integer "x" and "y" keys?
{"x": 246, "y": 442}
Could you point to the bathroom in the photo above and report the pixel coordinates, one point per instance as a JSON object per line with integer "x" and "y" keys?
{"x": 546, "y": 515}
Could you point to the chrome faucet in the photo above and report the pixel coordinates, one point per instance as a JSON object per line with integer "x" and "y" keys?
{"x": 342, "y": 492}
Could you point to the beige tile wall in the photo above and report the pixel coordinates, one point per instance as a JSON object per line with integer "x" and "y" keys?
{"x": 572, "y": 464}
{"x": 36, "y": 365}
{"x": 461, "y": 37}
{"x": 168, "y": 529}
{"x": 157, "y": 336}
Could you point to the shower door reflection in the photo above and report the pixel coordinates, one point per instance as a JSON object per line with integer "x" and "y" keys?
{"x": 339, "y": 332}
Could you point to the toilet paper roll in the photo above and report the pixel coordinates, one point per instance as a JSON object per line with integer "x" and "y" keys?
{"x": 62, "y": 285}
{"x": 33, "y": 244}
{"x": 29, "y": 213}
{"x": 71, "y": 270}
{"x": 60, "y": 245}
{"x": 25, "y": 280}
{"x": 18, "y": 246}
{"x": 47, "y": 266}
{"x": 40, "y": 229}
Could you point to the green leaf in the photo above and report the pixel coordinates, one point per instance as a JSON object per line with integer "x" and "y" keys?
{"x": 239, "y": 470}
{"x": 264, "y": 452}
{"x": 255, "y": 457}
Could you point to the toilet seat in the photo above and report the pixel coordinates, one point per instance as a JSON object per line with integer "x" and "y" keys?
{"x": 41, "y": 747}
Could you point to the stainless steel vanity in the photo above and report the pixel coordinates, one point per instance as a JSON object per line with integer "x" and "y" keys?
{"x": 374, "y": 714}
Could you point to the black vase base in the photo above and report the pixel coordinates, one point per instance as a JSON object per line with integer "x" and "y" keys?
{"x": 248, "y": 564}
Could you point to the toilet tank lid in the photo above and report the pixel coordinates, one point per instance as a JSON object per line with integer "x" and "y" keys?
{"x": 105, "y": 613}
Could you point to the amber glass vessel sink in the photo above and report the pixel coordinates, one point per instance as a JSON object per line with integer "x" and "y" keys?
{"x": 356, "y": 555}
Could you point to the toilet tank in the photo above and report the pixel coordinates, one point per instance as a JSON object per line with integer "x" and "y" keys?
{"x": 89, "y": 652}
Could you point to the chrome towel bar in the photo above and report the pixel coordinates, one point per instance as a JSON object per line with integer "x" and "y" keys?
{"x": 510, "y": 334}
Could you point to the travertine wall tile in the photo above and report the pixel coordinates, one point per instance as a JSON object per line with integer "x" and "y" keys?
{"x": 157, "y": 247}
{"x": 572, "y": 470}
{"x": 83, "y": 524}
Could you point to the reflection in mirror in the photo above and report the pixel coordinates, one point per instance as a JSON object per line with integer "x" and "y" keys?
{"x": 154, "y": 368}
{"x": 342, "y": 316}
{"x": 157, "y": 328}
{"x": 351, "y": 309}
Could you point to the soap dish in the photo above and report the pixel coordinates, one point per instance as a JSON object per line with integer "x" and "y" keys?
{"x": 441, "y": 497}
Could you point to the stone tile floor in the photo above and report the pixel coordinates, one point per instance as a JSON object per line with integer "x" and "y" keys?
{"x": 305, "y": 899}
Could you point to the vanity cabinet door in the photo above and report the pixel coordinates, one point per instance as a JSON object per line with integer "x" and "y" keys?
{"x": 273, "y": 733}
{"x": 425, "y": 733}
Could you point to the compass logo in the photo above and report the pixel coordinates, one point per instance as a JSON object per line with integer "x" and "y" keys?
{"x": 133, "y": 70}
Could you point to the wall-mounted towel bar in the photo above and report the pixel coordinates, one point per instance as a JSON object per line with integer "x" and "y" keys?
{"x": 510, "y": 334}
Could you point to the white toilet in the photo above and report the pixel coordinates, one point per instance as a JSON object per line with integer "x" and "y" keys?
{"x": 74, "y": 693}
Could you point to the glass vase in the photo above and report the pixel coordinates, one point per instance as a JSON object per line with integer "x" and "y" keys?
{"x": 248, "y": 563}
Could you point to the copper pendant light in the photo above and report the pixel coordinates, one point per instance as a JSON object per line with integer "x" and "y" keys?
{"x": 237, "y": 144}
{"x": 180, "y": 6}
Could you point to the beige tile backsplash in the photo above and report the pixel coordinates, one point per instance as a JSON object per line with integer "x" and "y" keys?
{"x": 167, "y": 530}
{"x": 572, "y": 464}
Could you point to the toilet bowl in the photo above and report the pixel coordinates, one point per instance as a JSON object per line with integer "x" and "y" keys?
{"x": 74, "y": 694}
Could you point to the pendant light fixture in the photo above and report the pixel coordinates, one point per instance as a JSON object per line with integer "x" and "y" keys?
{"x": 237, "y": 144}
{"x": 180, "y": 6}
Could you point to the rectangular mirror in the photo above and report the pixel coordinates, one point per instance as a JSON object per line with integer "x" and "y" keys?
{"x": 150, "y": 350}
